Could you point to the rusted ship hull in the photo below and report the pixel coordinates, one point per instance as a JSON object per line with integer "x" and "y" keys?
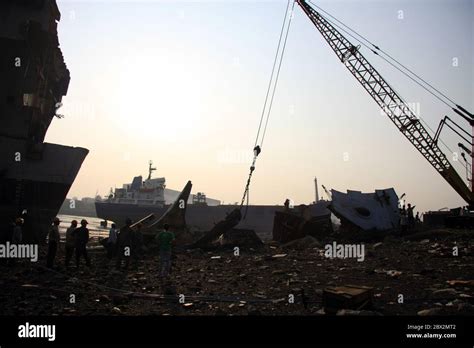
{"x": 36, "y": 186}
{"x": 35, "y": 176}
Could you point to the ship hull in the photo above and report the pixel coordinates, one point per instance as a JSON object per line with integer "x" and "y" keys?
{"x": 37, "y": 186}
{"x": 34, "y": 176}
{"x": 201, "y": 217}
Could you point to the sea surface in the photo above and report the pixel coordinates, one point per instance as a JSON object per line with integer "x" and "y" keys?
{"x": 95, "y": 230}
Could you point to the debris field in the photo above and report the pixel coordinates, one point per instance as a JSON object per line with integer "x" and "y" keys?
{"x": 273, "y": 279}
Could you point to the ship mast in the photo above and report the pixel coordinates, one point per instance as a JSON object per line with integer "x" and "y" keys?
{"x": 316, "y": 190}
{"x": 150, "y": 169}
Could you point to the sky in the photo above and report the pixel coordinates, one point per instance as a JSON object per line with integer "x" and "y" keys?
{"x": 183, "y": 83}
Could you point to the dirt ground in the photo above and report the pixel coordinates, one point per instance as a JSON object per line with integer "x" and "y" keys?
{"x": 253, "y": 283}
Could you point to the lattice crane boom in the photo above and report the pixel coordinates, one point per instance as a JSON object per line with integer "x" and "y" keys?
{"x": 389, "y": 101}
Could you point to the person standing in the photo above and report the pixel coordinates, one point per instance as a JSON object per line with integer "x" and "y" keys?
{"x": 53, "y": 242}
{"x": 410, "y": 215}
{"x": 70, "y": 241}
{"x": 403, "y": 223}
{"x": 166, "y": 240}
{"x": 17, "y": 235}
{"x": 417, "y": 218}
{"x": 287, "y": 205}
{"x": 112, "y": 242}
{"x": 124, "y": 243}
{"x": 81, "y": 236}
{"x": 137, "y": 243}
{"x": 28, "y": 231}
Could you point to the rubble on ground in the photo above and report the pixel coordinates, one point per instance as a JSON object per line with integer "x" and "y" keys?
{"x": 303, "y": 243}
{"x": 297, "y": 223}
{"x": 256, "y": 282}
{"x": 242, "y": 238}
{"x": 231, "y": 221}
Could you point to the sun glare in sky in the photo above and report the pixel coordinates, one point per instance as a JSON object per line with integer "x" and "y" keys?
{"x": 183, "y": 84}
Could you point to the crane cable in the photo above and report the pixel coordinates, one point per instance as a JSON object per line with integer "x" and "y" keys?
{"x": 266, "y": 110}
{"x": 278, "y": 72}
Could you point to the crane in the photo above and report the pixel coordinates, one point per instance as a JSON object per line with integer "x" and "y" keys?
{"x": 327, "y": 192}
{"x": 392, "y": 104}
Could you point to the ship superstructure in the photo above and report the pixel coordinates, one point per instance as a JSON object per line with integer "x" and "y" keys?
{"x": 148, "y": 192}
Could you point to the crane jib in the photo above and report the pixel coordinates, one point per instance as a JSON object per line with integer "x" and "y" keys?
{"x": 388, "y": 100}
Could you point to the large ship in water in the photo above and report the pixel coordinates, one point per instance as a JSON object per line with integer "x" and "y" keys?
{"x": 140, "y": 198}
{"x": 35, "y": 176}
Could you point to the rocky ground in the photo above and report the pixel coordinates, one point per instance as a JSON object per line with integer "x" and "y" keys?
{"x": 257, "y": 282}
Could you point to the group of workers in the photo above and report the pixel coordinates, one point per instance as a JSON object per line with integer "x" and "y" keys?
{"x": 408, "y": 219}
{"x": 128, "y": 242}
{"x": 123, "y": 244}
{"x": 76, "y": 240}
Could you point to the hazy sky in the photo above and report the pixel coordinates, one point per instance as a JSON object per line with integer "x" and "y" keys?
{"x": 183, "y": 83}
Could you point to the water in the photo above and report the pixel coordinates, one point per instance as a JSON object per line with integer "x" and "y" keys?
{"x": 95, "y": 230}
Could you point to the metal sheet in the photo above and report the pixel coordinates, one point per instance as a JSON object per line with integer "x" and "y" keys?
{"x": 368, "y": 211}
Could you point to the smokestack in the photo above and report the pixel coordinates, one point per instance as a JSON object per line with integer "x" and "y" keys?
{"x": 316, "y": 188}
